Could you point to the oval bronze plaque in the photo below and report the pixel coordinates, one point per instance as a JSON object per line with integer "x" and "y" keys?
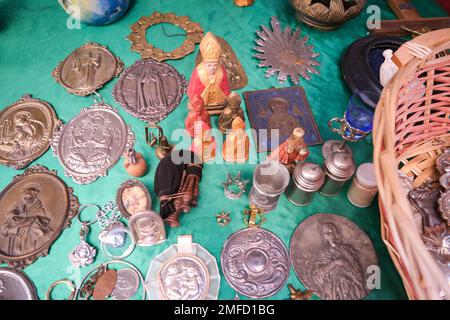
{"x": 92, "y": 142}
{"x": 26, "y": 128}
{"x": 87, "y": 69}
{"x": 32, "y": 217}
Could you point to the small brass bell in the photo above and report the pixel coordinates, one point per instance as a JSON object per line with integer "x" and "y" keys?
{"x": 163, "y": 147}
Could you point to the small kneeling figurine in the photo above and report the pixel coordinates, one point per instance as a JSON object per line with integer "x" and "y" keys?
{"x": 230, "y": 112}
{"x": 293, "y": 150}
{"x": 204, "y": 144}
{"x": 237, "y": 144}
{"x": 197, "y": 113}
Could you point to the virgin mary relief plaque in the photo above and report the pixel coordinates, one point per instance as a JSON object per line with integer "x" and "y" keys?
{"x": 87, "y": 69}
{"x": 26, "y": 128}
{"x": 150, "y": 90}
{"x": 31, "y": 217}
{"x": 92, "y": 142}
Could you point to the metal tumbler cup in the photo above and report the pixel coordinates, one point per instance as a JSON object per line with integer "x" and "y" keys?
{"x": 270, "y": 179}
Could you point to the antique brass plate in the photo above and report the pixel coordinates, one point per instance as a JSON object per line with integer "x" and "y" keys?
{"x": 32, "y": 217}
{"x": 87, "y": 69}
{"x": 26, "y": 128}
{"x": 139, "y": 43}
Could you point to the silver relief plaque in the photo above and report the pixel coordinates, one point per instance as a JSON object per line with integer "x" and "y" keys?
{"x": 87, "y": 69}
{"x": 150, "y": 90}
{"x": 255, "y": 262}
{"x": 184, "y": 277}
{"x": 92, "y": 142}
{"x": 331, "y": 256}
{"x": 26, "y": 128}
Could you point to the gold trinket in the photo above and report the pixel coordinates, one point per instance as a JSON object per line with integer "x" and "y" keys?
{"x": 254, "y": 217}
{"x": 297, "y": 294}
{"x": 163, "y": 147}
{"x": 223, "y": 218}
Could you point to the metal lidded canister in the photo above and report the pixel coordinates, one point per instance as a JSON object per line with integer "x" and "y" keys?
{"x": 364, "y": 186}
{"x": 306, "y": 180}
{"x": 339, "y": 168}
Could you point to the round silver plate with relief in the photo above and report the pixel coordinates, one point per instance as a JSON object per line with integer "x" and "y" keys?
{"x": 184, "y": 271}
{"x": 92, "y": 142}
{"x": 255, "y": 262}
{"x": 15, "y": 285}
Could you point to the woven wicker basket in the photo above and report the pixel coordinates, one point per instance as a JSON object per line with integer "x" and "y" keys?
{"x": 411, "y": 128}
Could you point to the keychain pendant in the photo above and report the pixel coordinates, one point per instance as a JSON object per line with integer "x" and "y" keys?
{"x": 82, "y": 255}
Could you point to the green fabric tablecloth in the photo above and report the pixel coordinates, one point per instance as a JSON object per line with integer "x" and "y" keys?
{"x": 34, "y": 38}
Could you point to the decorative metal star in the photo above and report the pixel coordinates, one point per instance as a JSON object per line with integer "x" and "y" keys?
{"x": 285, "y": 53}
{"x": 223, "y": 218}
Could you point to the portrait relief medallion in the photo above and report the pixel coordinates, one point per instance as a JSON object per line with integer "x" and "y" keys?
{"x": 87, "y": 69}
{"x": 133, "y": 197}
{"x": 184, "y": 277}
{"x": 150, "y": 90}
{"x": 331, "y": 256}
{"x": 26, "y": 128}
{"x": 32, "y": 217}
{"x": 92, "y": 142}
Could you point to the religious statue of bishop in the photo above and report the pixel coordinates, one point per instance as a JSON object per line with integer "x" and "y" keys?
{"x": 209, "y": 78}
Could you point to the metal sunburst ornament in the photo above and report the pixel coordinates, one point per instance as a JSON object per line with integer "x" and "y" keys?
{"x": 285, "y": 53}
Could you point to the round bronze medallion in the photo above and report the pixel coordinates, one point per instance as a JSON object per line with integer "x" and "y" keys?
{"x": 139, "y": 43}
{"x": 255, "y": 262}
{"x": 26, "y": 128}
{"x": 331, "y": 256}
{"x": 87, "y": 69}
{"x": 92, "y": 142}
{"x": 31, "y": 217}
{"x": 150, "y": 90}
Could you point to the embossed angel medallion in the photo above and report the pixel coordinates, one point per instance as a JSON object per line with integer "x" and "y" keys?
{"x": 31, "y": 217}
{"x": 150, "y": 90}
{"x": 184, "y": 277}
{"x": 87, "y": 69}
{"x": 26, "y": 128}
{"x": 331, "y": 256}
{"x": 92, "y": 142}
{"x": 255, "y": 262}
{"x": 184, "y": 271}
